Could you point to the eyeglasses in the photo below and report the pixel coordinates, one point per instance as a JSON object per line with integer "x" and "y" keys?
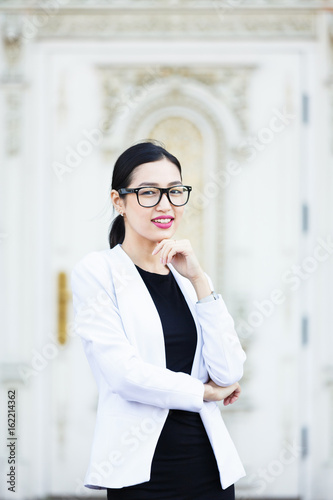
{"x": 151, "y": 196}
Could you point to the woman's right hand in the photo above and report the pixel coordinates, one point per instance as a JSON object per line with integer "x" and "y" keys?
{"x": 214, "y": 392}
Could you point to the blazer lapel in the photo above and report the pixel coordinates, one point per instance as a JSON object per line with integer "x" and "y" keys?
{"x": 138, "y": 313}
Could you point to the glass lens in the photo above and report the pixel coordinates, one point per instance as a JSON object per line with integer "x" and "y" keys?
{"x": 178, "y": 195}
{"x": 149, "y": 196}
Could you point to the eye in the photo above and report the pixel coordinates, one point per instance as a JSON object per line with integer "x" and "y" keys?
{"x": 176, "y": 190}
{"x": 147, "y": 192}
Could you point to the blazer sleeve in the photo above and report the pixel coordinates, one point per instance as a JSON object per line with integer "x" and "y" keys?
{"x": 222, "y": 350}
{"x": 98, "y": 322}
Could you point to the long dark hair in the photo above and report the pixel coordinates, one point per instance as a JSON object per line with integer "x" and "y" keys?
{"x": 144, "y": 152}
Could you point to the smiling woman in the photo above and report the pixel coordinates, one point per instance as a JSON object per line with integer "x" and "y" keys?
{"x": 162, "y": 341}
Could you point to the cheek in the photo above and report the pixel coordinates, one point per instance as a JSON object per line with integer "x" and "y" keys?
{"x": 179, "y": 214}
{"x": 143, "y": 218}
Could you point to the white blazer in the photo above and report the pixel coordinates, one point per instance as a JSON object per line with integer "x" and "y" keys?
{"x": 122, "y": 336}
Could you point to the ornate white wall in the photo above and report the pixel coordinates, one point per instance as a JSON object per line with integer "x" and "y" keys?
{"x": 242, "y": 93}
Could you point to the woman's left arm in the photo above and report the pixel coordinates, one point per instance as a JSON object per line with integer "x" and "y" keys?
{"x": 222, "y": 350}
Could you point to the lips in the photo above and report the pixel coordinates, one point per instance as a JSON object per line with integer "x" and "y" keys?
{"x": 163, "y": 222}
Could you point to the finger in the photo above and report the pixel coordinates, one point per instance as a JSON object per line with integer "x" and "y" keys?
{"x": 159, "y": 246}
{"x": 227, "y": 399}
{"x": 234, "y": 398}
{"x": 168, "y": 252}
{"x": 168, "y": 257}
{"x": 164, "y": 244}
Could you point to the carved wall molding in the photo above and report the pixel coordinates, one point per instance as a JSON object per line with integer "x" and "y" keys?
{"x": 212, "y": 23}
{"x": 12, "y": 85}
{"x": 13, "y": 119}
{"x": 174, "y": 4}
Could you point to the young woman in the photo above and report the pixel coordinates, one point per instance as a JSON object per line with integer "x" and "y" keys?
{"x": 161, "y": 345}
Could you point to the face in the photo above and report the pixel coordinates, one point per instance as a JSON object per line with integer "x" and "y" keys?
{"x": 138, "y": 219}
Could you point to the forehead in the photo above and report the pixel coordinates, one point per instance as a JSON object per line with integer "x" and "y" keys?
{"x": 159, "y": 172}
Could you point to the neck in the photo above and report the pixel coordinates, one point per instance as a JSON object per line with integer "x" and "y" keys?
{"x": 140, "y": 254}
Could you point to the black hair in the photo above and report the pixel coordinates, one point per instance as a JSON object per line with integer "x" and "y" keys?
{"x": 143, "y": 152}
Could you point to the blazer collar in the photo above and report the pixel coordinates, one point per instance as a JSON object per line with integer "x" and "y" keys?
{"x": 184, "y": 283}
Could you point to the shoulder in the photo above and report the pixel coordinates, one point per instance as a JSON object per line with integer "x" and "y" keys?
{"x": 92, "y": 260}
{"x": 92, "y": 277}
{"x": 94, "y": 265}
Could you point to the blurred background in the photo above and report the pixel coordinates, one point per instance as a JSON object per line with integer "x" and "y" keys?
{"x": 242, "y": 92}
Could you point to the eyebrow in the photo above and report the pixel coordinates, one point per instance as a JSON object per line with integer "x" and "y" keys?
{"x": 156, "y": 184}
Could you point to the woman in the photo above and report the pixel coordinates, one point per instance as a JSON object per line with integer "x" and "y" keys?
{"x": 161, "y": 345}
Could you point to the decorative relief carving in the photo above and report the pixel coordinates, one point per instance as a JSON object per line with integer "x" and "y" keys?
{"x": 327, "y": 383}
{"x": 123, "y": 88}
{"x": 13, "y": 118}
{"x": 12, "y": 84}
{"x": 329, "y": 80}
{"x": 12, "y": 49}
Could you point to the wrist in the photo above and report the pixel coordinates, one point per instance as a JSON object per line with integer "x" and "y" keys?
{"x": 199, "y": 277}
{"x": 208, "y": 392}
{"x": 201, "y": 286}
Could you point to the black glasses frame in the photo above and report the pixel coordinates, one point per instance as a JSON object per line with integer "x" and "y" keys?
{"x": 162, "y": 191}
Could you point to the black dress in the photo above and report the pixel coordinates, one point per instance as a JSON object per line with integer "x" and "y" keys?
{"x": 184, "y": 465}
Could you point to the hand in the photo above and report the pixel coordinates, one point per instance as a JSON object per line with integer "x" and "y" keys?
{"x": 180, "y": 253}
{"x": 214, "y": 392}
{"x": 229, "y": 400}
